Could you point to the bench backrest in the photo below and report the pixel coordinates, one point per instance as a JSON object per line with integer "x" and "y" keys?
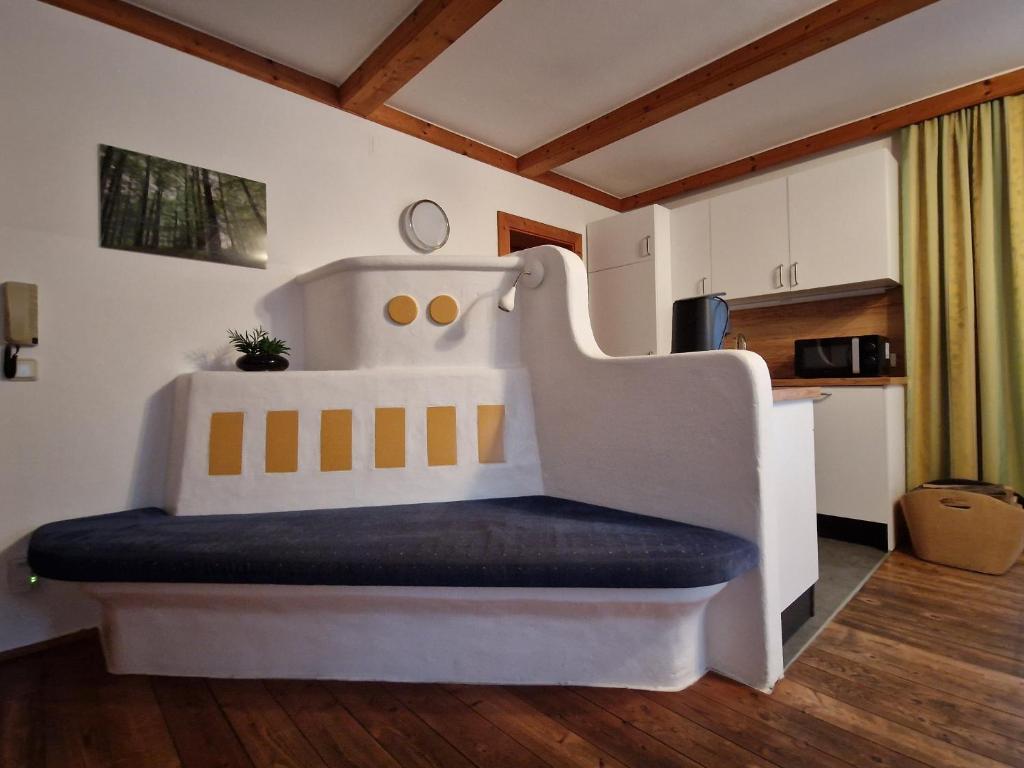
{"x": 417, "y": 394}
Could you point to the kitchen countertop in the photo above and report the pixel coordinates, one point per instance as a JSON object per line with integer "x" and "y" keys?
{"x": 785, "y": 394}
{"x": 863, "y": 381}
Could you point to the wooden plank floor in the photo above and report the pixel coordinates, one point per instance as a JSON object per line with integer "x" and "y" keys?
{"x": 924, "y": 667}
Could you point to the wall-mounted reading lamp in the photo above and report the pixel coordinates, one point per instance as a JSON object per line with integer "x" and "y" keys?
{"x": 531, "y": 276}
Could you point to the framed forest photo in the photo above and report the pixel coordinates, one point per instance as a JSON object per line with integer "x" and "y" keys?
{"x": 154, "y": 205}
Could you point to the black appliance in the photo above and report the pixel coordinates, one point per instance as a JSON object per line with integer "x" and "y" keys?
{"x": 842, "y": 356}
{"x": 699, "y": 323}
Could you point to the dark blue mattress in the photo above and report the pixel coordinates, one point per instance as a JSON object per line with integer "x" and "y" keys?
{"x": 531, "y": 541}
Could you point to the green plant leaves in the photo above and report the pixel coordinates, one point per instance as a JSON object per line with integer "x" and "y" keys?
{"x": 257, "y": 342}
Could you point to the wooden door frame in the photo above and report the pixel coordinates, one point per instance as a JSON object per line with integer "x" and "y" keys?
{"x": 509, "y": 223}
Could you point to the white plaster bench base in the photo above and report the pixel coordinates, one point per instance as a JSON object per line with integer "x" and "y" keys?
{"x": 637, "y": 638}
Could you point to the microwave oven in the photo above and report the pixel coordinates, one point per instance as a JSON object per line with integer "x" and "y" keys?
{"x": 841, "y": 357}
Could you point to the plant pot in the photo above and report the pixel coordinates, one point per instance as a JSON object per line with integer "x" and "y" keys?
{"x": 262, "y": 362}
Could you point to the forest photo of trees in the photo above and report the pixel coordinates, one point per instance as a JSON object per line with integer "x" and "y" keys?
{"x": 160, "y": 206}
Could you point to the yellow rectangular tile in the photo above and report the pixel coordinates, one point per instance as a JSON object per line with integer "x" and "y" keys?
{"x": 226, "y": 443}
{"x": 490, "y": 433}
{"x": 335, "y": 440}
{"x": 282, "y": 441}
{"x": 389, "y": 438}
{"x": 442, "y": 449}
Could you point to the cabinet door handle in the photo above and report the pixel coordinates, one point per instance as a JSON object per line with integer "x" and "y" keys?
{"x": 703, "y": 291}
{"x": 646, "y": 246}
{"x": 794, "y": 276}
{"x": 778, "y": 277}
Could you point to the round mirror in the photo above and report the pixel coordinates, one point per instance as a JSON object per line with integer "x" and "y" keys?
{"x": 425, "y": 225}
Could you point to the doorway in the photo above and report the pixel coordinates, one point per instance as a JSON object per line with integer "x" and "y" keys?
{"x": 517, "y": 232}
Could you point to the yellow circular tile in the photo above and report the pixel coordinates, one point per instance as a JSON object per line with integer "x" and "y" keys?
{"x": 403, "y": 309}
{"x": 443, "y": 309}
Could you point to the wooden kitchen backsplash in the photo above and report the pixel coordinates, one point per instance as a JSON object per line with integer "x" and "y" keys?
{"x": 771, "y": 331}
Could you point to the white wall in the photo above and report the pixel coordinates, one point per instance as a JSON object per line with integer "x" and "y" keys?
{"x": 116, "y": 327}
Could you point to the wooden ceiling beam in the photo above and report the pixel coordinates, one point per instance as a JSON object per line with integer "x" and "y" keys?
{"x": 442, "y": 137}
{"x": 1008, "y": 84}
{"x": 160, "y": 29}
{"x": 135, "y": 20}
{"x": 839, "y": 21}
{"x": 423, "y": 36}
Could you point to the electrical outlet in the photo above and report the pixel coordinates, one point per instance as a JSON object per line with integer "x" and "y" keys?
{"x": 20, "y": 578}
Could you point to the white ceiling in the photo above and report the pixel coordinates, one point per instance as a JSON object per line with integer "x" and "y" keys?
{"x": 534, "y": 69}
{"x": 929, "y": 51}
{"x": 326, "y": 38}
{"x": 531, "y": 70}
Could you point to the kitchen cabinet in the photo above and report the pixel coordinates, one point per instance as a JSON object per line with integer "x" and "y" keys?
{"x": 859, "y": 458}
{"x": 792, "y": 496}
{"x": 691, "y": 250}
{"x": 832, "y": 224}
{"x": 621, "y": 300}
{"x": 630, "y": 282}
{"x": 750, "y": 240}
{"x": 627, "y": 238}
{"x": 844, "y": 221}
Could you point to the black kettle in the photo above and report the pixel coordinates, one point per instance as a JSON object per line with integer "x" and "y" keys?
{"x": 700, "y": 323}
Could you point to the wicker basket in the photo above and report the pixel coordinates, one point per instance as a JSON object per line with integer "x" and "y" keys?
{"x": 973, "y": 530}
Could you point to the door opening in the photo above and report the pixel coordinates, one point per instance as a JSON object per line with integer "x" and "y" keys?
{"x": 517, "y": 232}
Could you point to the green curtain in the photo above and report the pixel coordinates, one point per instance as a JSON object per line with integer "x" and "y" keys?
{"x": 962, "y": 222}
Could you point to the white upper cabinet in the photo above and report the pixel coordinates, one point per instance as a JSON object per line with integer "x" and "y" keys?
{"x": 623, "y": 239}
{"x": 750, "y": 240}
{"x": 843, "y": 221}
{"x": 691, "y": 250}
{"x": 830, "y": 225}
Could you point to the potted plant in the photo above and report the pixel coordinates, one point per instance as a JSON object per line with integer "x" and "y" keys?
{"x": 260, "y": 351}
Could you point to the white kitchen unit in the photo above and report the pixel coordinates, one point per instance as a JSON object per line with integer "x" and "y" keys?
{"x": 844, "y": 221}
{"x": 860, "y": 465}
{"x": 750, "y": 240}
{"x": 620, "y": 302}
{"x": 629, "y": 274}
{"x": 826, "y": 226}
{"x": 691, "y": 250}
{"x": 792, "y": 496}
